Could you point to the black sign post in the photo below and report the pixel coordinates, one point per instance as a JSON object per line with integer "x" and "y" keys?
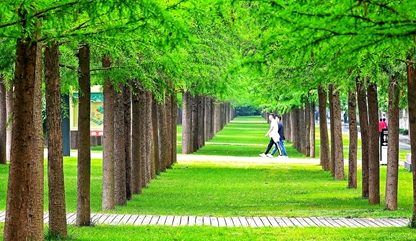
{"x": 384, "y": 141}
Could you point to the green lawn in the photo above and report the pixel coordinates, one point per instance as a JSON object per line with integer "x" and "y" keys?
{"x": 238, "y": 189}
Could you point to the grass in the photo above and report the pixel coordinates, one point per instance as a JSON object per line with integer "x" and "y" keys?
{"x": 232, "y": 189}
{"x": 238, "y": 189}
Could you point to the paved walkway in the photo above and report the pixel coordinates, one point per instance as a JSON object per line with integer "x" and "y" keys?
{"x": 128, "y": 219}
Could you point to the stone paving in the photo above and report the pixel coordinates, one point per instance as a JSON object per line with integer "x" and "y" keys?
{"x": 255, "y": 222}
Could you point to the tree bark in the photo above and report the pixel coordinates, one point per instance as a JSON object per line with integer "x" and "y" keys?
{"x": 155, "y": 138}
{"x": 411, "y": 96}
{"x": 308, "y": 128}
{"x": 186, "y": 123}
{"x": 136, "y": 143}
{"x": 149, "y": 136}
{"x": 142, "y": 137}
{"x": 332, "y": 128}
{"x": 363, "y": 116}
{"x": 374, "y": 162}
{"x": 201, "y": 122}
{"x": 393, "y": 144}
{"x": 169, "y": 133}
{"x": 84, "y": 145}
{"x": 313, "y": 134}
{"x": 337, "y": 130}
{"x": 174, "y": 129}
{"x": 352, "y": 154}
{"x": 127, "y": 139}
{"x": 119, "y": 149}
{"x": 323, "y": 130}
{"x": 57, "y": 210}
{"x": 162, "y": 132}
{"x": 108, "y": 202}
{"x": 3, "y": 121}
{"x": 195, "y": 127}
{"x": 24, "y": 210}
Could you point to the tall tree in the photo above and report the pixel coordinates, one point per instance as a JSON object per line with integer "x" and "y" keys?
{"x": 135, "y": 142}
{"x": 339, "y": 150}
{"x": 374, "y": 162}
{"x": 313, "y": 133}
{"x": 352, "y": 153}
{"x": 161, "y": 117}
{"x": 84, "y": 144}
{"x": 393, "y": 144}
{"x": 174, "y": 130}
{"x": 24, "y": 210}
{"x": 57, "y": 210}
{"x": 149, "y": 138}
{"x": 119, "y": 149}
{"x": 108, "y": 202}
{"x": 332, "y": 128}
{"x": 127, "y": 137}
{"x": 186, "y": 123}
{"x": 411, "y": 96}
{"x": 142, "y": 137}
{"x": 363, "y": 116}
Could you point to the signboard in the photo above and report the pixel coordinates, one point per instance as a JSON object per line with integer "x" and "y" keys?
{"x": 384, "y": 141}
{"x": 96, "y": 115}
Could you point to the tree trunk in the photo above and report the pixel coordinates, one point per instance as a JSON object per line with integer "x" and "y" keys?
{"x": 169, "y": 133}
{"x": 127, "y": 138}
{"x": 24, "y": 210}
{"x": 207, "y": 117}
{"x": 393, "y": 144}
{"x": 3, "y": 121}
{"x": 119, "y": 149}
{"x": 57, "y": 210}
{"x": 308, "y": 128}
{"x": 162, "y": 132}
{"x": 195, "y": 122}
{"x": 411, "y": 96}
{"x": 374, "y": 162}
{"x": 142, "y": 137}
{"x": 149, "y": 136}
{"x": 159, "y": 165}
{"x": 217, "y": 114}
{"x": 352, "y": 155}
{"x": 313, "y": 135}
{"x": 337, "y": 129}
{"x": 108, "y": 202}
{"x": 135, "y": 142}
{"x": 201, "y": 122}
{"x": 186, "y": 123}
{"x": 363, "y": 116}
{"x": 331, "y": 127}
{"x": 84, "y": 145}
{"x": 323, "y": 130}
{"x": 174, "y": 130}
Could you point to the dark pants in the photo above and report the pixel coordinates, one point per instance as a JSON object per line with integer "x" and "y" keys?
{"x": 271, "y": 143}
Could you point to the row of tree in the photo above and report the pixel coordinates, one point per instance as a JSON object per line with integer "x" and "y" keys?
{"x": 143, "y": 54}
{"x": 324, "y": 52}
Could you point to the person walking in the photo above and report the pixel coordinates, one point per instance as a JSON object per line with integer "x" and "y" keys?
{"x": 273, "y": 134}
{"x": 281, "y": 145}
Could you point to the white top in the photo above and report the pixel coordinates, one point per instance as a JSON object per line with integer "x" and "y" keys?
{"x": 273, "y": 132}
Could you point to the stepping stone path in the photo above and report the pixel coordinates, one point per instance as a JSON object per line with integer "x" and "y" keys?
{"x": 129, "y": 219}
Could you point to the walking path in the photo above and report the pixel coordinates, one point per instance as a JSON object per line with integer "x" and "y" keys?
{"x": 128, "y": 219}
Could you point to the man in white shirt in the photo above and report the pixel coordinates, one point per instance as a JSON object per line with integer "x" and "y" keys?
{"x": 274, "y": 135}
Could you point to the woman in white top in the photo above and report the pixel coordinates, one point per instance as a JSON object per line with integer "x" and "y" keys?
{"x": 274, "y": 135}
